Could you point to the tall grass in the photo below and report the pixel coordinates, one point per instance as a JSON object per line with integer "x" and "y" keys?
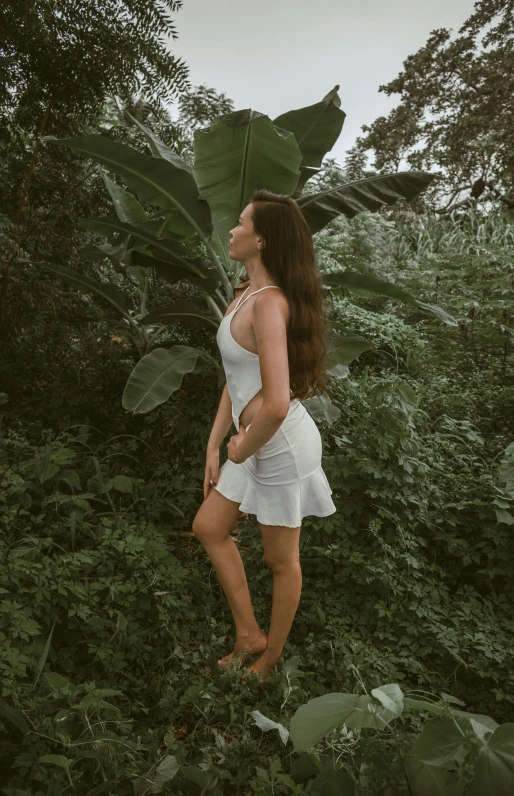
{"x": 457, "y": 233}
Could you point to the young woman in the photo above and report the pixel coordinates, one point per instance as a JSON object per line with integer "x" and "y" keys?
{"x": 272, "y": 344}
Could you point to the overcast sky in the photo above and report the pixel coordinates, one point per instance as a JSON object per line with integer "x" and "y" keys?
{"x": 276, "y": 55}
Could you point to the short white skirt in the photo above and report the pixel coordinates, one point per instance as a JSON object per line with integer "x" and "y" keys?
{"x": 283, "y": 481}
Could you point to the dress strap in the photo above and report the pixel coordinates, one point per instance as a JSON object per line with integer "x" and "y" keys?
{"x": 240, "y": 303}
{"x": 241, "y": 297}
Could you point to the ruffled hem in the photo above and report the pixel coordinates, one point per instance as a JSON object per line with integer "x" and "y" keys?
{"x": 283, "y": 504}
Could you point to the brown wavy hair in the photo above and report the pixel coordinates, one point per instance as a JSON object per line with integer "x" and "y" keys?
{"x": 289, "y": 258}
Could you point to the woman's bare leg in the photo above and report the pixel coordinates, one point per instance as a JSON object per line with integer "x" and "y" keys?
{"x": 212, "y": 525}
{"x": 281, "y": 552}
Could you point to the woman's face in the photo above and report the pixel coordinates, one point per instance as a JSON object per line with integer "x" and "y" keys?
{"x": 243, "y": 240}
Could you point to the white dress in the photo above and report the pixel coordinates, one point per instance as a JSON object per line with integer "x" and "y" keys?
{"x": 283, "y": 481}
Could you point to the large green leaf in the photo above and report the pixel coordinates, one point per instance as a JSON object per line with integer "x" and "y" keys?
{"x": 494, "y": 769}
{"x": 173, "y": 269}
{"x": 429, "y": 780}
{"x": 349, "y": 278}
{"x": 436, "y": 755}
{"x": 371, "y": 193}
{"x": 316, "y": 129}
{"x": 166, "y": 770}
{"x": 110, "y": 224}
{"x": 239, "y": 152}
{"x": 304, "y": 768}
{"x": 442, "y": 742}
{"x": 98, "y": 251}
{"x": 206, "y": 779}
{"x": 85, "y": 284}
{"x": 343, "y": 350}
{"x": 371, "y": 284}
{"x": 319, "y": 716}
{"x": 128, "y": 209}
{"x": 480, "y": 723}
{"x": 156, "y": 376}
{"x": 423, "y": 704}
{"x": 159, "y": 148}
{"x": 170, "y": 225}
{"x": 119, "y": 257}
{"x": 390, "y": 696}
{"x": 165, "y": 226}
{"x": 14, "y": 716}
{"x": 184, "y": 311}
{"x": 44, "y": 655}
{"x": 322, "y": 409}
{"x": 157, "y": 180}
{"x": 486, "y": 723}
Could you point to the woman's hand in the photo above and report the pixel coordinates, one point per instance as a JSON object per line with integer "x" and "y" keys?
{"x": 234, "y": 443}
{"x": 212, "y": 466}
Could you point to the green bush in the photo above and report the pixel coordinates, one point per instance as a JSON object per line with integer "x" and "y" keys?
{"x": 112, "y": 617}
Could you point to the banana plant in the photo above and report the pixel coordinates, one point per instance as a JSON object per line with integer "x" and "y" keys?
{"x": 198, "y": 205}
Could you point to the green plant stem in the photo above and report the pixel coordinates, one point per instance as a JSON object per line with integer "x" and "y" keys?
{"x": 402, "y": 762}
{"x": 215, "y": 259}
{"x": 212, "y": 304}
{"x": 223, "y": 300}
{"x": 144, "y": 295}
{"x": 79, "y": 743}
{"x": 152, "y": 337}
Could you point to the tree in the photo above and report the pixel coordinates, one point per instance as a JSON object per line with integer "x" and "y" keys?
{"x": 455, "y": 112}
{"x": 68, "y": 56}
{"x": 58, "y": 62}
{"x": 197, "y": 108}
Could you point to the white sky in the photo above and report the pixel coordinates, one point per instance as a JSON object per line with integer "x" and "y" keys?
{"x": 276, "y": 55}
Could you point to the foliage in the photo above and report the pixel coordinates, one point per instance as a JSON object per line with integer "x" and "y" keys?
{"x": 455, "y": 111}
{"x": 416, "y": 567}
{"x": 457, "y": 752}
{"x": 50, "y": 52}
{"x": 44, "y": 192}
{"x": 200, "y": 203}
{"x": 111, "y": 615}
{"x": 466, "y": 264}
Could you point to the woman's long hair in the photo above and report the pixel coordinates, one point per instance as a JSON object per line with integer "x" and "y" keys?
{"x": 289, "y": 258}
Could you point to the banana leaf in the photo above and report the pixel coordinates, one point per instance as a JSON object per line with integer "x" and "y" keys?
{"x": 368, "y": 282}
{"x": 128, "y": 209}
{"x": 239, "y": 152}
{"x": 110, "y": 224}
{"x": 371, "y": 193}
{"x": 154, "y": 179}
{"x": 316, "y": 129}
{"x": 184, "y": 311}
{"x": 173, "y": 269}
{"x": 86, "y": 285}
{"x": 349, "y": 278}
{"x": 156, "y": 376}
{"x": 160, "y": 149}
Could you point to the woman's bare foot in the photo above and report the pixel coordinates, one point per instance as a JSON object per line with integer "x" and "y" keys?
{"x": 262, "y": 667}
{"x": 244, "y": 647}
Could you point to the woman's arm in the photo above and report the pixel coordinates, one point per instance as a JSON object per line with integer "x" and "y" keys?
{"x": 222, "y": 422}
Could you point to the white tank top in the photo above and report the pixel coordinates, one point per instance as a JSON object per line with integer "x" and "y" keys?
{"x": 242, "y": 367}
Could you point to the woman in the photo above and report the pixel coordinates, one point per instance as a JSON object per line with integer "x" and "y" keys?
{"x": 272, "y": 343}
